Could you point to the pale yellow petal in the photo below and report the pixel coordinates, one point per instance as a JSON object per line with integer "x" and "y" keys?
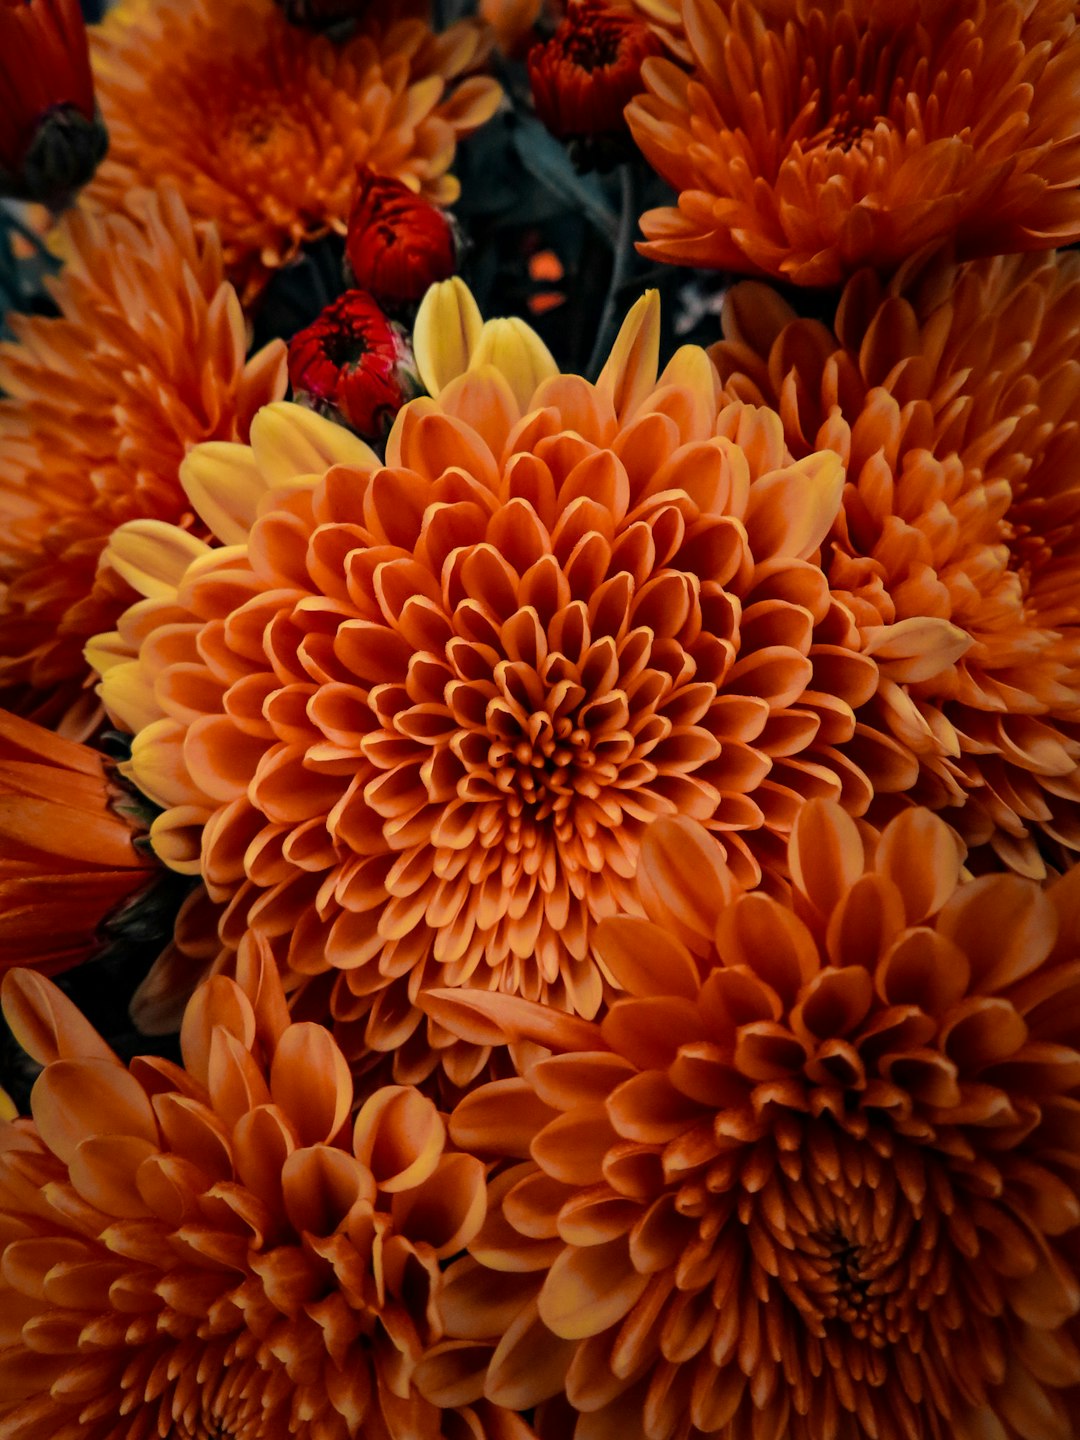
{"x": 224, "y": 483}
{"x": 518, "y": 353}
{"x": 445, "y": 334}
{"x": 630, "y": 371}
{"x": 289, "y": 440}
{"x": 128, "y": 696}
{"x": 152, "y": 556}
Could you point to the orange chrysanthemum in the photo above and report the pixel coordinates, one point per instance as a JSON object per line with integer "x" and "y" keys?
{"x": 146, "y": 359}
{"x": 67, "y": 861}
{"x": 951, "y": 397}
{"x": 808, "y": 140}
{"x": 262, "y": 126}
{"x": 413, "y": 723}
{"x": 818, "y": 1176}
{"x": 223, "y": 1252}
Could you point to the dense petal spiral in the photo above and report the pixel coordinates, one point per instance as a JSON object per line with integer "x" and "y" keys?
{"x": 951, "y": 396}
{"x": 229, "y": 1251}
{"x": 146, "y": 358}
{"x": 262, "y": 125}
{"x": 412, "y": 723}
{"x": 807, "y": 140}
{"x": 817, "y": 1176}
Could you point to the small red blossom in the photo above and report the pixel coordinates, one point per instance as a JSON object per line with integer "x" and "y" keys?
{"x": 399, "y": 243}
{"x": 51, "y": 137}
{"x": 587, "y": 73}
{"x": 353, "y": 364}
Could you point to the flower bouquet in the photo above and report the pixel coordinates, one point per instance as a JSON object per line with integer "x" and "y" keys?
{"x": 540, "y": 720}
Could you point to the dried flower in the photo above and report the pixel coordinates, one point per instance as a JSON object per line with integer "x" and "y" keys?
{"x": 398, "y": 243}
{"x": 583, "y": 77}
{"x": 950, "y": 395}
{"x": 354, "y": 364}
{"x": 232, "y": 1249}
{"x": 51, "y": 136}
{"x": 414, "y": 730}
{"x": 815, "y": 1177}
{"x": 67, "y": 861}
{"x": 807, "y": 142}
{"x": 146, "y": 358}
{"x": 262, "y": 126}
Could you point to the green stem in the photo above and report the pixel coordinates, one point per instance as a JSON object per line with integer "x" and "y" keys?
{"x": 622, "y": 254}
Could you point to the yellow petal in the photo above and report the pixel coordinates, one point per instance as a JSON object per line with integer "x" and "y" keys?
{"x": 128, "y": 696}
{"x": 630, "y": 371}
{"x": 224, "y": 484}
{"x": 446, "y": 332}
{"x": 518, "y": 353}
{"x": 289, "y": 440}
{"x": 152, "y": 556}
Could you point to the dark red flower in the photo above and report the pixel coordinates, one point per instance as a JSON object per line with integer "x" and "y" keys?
{"x": 353, "y": 364}
{"x": 51, "y": 138}
{"x": 589, "y": 71}
{"x": 399, "y": 243}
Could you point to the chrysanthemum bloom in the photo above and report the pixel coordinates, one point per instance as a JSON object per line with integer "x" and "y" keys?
{"x": 67, "y": 861}
{"x": 413, "y": 723}
{"x": 51, "y": 138}
{"x": 399, "y": 243}
{"x": 146, "y": 359}
{"x": 223, "y": 1251}
{"x": 583, "y": 77}
{"x": 952, "y": 398}
{"x": 818, "y": 1176}
{"x": 262, "y": 126}
{"x": 813, "y": 139}
{"x": 354, "y": 364}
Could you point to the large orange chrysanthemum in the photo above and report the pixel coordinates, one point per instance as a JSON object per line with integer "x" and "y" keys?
{"x": 817, "y": 1178}
{"x": 952, "y": 398}
{"x": 262, "y": 126}
{"x": 414, "y": 721}
{"x": 146, "y": 359}
{"x": 813, "y": 138}
{"x": 222, "y": 1252}
{"x": 67, "y": 861}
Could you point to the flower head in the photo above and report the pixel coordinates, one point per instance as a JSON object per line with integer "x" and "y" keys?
{"x": 950, "y": 397}
{"x": 399, "y": 243}
{"x": 262, "y": 126}
{"x": 815, "y": 1176}
{"x": 583, "y": 77}
{"x": 234, "y": 1249}
{"x": 353, "y": 363}
{"x": 146, "y": 358}
{"x": 807, "y": 141}
{"x": 67, "y": 861}
{"x": 413, "y": 723}
{"x": 51, "y": 138}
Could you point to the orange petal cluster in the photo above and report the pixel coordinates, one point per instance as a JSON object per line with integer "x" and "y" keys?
{"x": 67, "y": 861}
{"x": 951, "y": 395}
{"x": 228, "y": 1251}
{"x": 145, "y": 359}
{"x": 815, "y": 1178}
{"x": 809, "y": 139}
{"x": 412, "y": 726}
{"x": 262, "y": 126}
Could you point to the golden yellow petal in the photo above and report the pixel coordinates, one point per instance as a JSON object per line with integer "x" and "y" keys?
{"x": 445, "y": 333}
{"x": 152, "y": 556}
{"x": 630, "y": 370}
{"x": 518, "y": 353}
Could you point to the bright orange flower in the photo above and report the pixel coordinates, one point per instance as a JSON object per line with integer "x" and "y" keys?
{"x": 145, "y": 359}
{"x": 231, "y": 1250}
{"x": 815, "y": 1179}
{"x": 413, "y": 723}
{"x": 808, "y": 140}
{"x": 262, "y": 125}
{"x": 952, "y": 398}
{"x": 67, "y": 862}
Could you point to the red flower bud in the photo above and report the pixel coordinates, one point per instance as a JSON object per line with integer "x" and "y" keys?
{"x": 589, "y": 71}
{"x": 51, "y": 137}
{"x": 399, "y": 244}
{"x": 354, "y": 364}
